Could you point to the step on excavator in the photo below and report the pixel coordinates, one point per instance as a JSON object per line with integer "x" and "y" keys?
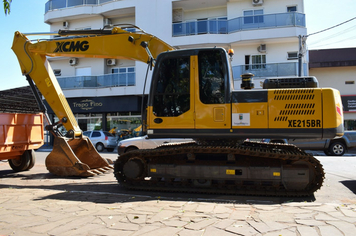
{"x": 192, "y": 95}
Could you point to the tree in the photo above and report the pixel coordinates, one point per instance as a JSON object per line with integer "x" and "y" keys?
{"x": 7, "y": 6}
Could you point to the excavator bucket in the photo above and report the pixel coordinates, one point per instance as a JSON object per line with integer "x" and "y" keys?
{"x": 75, "y": 157}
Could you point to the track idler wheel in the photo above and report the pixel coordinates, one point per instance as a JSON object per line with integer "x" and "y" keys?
{"x": 134, "y": 168}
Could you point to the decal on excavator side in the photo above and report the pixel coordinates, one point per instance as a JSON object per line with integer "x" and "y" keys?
{"x": 72, "y": 46}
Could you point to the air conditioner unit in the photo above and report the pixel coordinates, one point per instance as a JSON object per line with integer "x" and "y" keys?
{"x": 257, "y": 2}
{"x": 111, "y": 62}
{"x": 65, "y": 24}
{"x": 262, "y": 48}
{"x": 107, "y": 21}
{"x": 73, "y": 61}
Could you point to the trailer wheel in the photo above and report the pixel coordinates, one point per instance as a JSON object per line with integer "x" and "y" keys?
{"x": 25, "y": 162}
{"x": 32, "y": 160}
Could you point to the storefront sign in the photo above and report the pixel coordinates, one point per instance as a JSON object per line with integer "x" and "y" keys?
{"x": 349, "y": 103}
{"x": 103, "y": 104}
{"x": 87, "y": 104}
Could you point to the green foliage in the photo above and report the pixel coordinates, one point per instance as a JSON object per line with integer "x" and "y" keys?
{"x": 7, "y": 6}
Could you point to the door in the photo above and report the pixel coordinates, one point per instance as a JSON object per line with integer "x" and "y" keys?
{"x": 172, "y": 100}
{"x": 212, "y": 110}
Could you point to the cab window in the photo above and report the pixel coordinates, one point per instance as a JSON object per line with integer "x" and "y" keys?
{"x": 211, "y": 77}
{"x": 172, "y": 91}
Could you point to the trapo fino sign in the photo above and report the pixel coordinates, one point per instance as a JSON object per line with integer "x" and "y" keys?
{"x": 103, "y": 104}
{"x": 87, "y": 104}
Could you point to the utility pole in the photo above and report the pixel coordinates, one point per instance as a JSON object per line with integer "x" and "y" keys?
{"x": 302, "y": 50}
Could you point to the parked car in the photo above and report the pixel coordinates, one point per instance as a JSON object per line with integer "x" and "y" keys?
{"x": 331, "y": 147}
{"x": 102, "y": 140}
{"x": 143, "y": 142}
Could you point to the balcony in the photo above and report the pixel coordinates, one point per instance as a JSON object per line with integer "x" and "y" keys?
{"x": 266, "y": 70}
{"x": 224, "y": 26}
{"x": 100, "y": 81}
{"x": 59, "y": 4}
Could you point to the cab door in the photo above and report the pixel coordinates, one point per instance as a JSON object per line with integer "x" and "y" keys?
{"x": 171, "y": 105}
{"x": 212, "y": 109}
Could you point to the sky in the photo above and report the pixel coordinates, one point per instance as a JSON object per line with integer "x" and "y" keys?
{"x": 320, "y": 15}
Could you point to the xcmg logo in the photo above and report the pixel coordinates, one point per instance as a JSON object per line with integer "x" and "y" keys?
{"x": 73, "y": 46}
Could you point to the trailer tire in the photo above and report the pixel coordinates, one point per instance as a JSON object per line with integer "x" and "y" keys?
{"x": 25, "y": 162}
{"x": 32, "y": 160}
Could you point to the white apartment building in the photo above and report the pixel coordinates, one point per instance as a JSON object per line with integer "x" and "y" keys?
{"x": 106, "y": 93}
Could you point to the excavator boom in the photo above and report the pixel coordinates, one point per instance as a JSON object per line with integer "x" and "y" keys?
{"x": 75, "y": 155}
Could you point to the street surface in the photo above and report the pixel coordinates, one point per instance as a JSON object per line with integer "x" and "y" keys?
{"x": 36, "y": 202}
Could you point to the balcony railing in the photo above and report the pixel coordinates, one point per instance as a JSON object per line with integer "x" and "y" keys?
{"x": 100, "y": 81}
{"x": 129, "y": 78}
{"x": 59, "y": 4}
{"x": 267, "y": 70}
{"x": 223, "y": 26}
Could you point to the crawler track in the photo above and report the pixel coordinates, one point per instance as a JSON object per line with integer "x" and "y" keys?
{"x": 251, "y": 168}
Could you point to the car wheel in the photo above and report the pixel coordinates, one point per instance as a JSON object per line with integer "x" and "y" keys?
{"x": 337, "y": 149}
{"x": 110, "y": 149}
{"x": 99, "y": 147}
{"x": 129, "y": 149}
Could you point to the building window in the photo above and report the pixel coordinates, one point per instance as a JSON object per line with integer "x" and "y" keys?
{"x": 292, "y": 55}
{"x": 256, "y": 61}
{"x": 126, "y": 75}
{"x": 57, "y": 72}
{"x": 292, "y": 9}
{"x": 253, "y": 17}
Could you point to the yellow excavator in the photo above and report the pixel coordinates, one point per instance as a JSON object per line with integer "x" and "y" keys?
{"x": 192, "y": 96}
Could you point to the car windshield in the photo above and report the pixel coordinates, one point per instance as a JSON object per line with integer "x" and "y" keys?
{"x": 108, "y": 134}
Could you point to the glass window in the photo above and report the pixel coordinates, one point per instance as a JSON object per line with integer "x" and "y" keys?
{"x": 211, "y": 77}
{"x": 95, "y": 134}
{"x": 126, "y": 76}
{"x": 258, "y": 61}
{"x": 292, "y": 55}
{"x": 172, "y": 89}
{"x": 292, "y": 9}
{"x": 253, "y": 16}
{"x": 57, "y": 72}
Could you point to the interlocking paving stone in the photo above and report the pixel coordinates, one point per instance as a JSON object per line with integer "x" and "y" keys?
{"x": 60, "y": 213}
{"x": 308, "y": 231}
{"x": 329, "y": 230}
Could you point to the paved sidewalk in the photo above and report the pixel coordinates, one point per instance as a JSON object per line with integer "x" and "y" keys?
{"x": 35, "y": 211}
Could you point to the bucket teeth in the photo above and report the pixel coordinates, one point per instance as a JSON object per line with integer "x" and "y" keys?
{"x": 96, "y": 171}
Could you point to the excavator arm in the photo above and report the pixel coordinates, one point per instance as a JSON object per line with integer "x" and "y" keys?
{"x": 74, "y": 154}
